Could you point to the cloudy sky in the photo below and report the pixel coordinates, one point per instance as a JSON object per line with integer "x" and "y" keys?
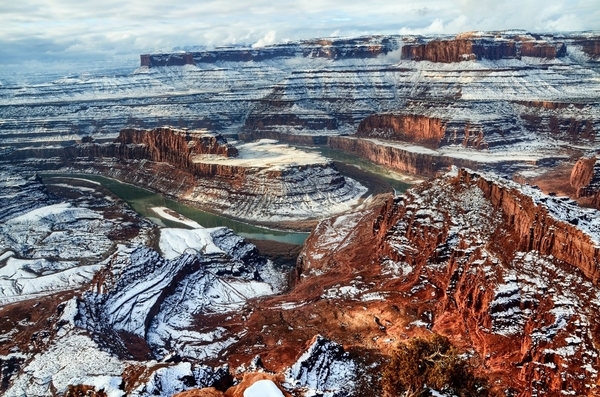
{"x": 61, "y": 31}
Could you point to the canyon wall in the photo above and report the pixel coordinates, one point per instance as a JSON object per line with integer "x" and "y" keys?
{"x": 491, "y": 264}
{"x": 477, "y": 48}
{"x": 399, "y": 159}
{"x": 361, "y": 48}
{"x": 539, "y": 229}
{"x": 175, "y": 146}
{"x": 585, "y": 177}
{"x": 410, "y": 128}
{"x": 269, "y": 184}
{"x": 313, "y": 87}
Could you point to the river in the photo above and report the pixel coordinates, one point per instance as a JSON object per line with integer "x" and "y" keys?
{"x": 142, "y": 201}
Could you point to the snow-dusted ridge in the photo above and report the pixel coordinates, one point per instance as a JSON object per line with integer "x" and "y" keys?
{"x": 315, "y": 93}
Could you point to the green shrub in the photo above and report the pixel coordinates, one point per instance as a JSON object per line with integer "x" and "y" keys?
{"x": 421, "y": 364}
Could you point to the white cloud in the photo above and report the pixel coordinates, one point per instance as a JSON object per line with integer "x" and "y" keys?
{"x": 267, "y": 39}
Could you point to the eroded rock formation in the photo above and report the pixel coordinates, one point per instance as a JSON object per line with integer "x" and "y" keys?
{"x": 361, "y": 47}
{"x": 431, "y": 131}
{"x": 267, "y": 182}
{"x": 411, "y": 128}
{"x": 467, "y": 47}
{"x": 585, "y": 177}
{"x": 402, "y": 159}
{"x": 485, "y": 261}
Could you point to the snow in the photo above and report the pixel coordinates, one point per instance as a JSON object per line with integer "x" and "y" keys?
{"x": 166, "y": 381}
{"x": 265, "y": 153}
{"x": 70, "y": 360}
{"x": 263, "y": 388}
{"x": 176, "y": 242}
{"x": 19, "y": 282}
{"x": 324, "y": 369}
{"x": 109, "y": 384}
{"x": 169, "y": 214}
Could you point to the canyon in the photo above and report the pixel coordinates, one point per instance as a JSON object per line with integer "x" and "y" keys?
{"x": 508, "y": 273}
{"x": 263, "y": 182}
{"x": 497, "y": 248}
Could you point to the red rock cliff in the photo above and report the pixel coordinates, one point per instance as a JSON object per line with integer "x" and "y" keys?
{"x": 174, "y": 145}
{"x": 540, "y": 230}
{"x": 409, "y": 128}
{"x": 413, "y": 162}
{"x": 496, "y": 242}
{"x": 423, "y": 130}
{"x": 458, "y": 50}
{"x": 471, "y": 48}
{"x": 585, "y": 177}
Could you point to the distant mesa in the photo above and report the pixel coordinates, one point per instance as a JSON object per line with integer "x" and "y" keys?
{"x": 361, "y": 47}
{"x": 472, "y": 46}
{"x": 462, "y": 47}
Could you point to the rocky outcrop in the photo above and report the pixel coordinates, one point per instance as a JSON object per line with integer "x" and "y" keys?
{"x": 543, "y": 49}
{"x": 459, "y": 50}
{"x": 313, "y": 371}
{"x": 583, "y": 174}
{"x": 585, "y": 177}
{"x": 409, "y": 128}
{"x": 269, "y": 183}
{"x": 504, "y": 281}
{"x": 546, "y": 225}
{"x": 401, "y": 159}
{"x": 476, "y": 47}
{"x": 175, "y": 146}
{"x": 433, "y": 132}
{"x": 589, "y": 45}
{"x": 468, "y": 256}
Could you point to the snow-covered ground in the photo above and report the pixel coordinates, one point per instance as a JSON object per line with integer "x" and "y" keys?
{"x": 48, "y": 246}
{"x": 265, "y": 153}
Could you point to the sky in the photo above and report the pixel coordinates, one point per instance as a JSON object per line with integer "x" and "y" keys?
{"x": 34, "y": 32}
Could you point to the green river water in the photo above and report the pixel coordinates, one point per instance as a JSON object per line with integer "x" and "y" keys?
{"x": 142, "y": 201}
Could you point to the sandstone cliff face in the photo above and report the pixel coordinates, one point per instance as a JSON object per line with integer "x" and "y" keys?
{"x": 426, "y": 131}
{"x": 397, "y": 158}
{"x": 491, "y": 289}
{"x": 585, "y": 177}
{"x": 543, "y": 49}
{"x": 410, "y": 128}
{"x": 583, "y": 173}
{"x": 543, "y": 226}
{"x": 171, "y": 145}
{"x": 458, "y": 50}
{"x": 477, "y": 48}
